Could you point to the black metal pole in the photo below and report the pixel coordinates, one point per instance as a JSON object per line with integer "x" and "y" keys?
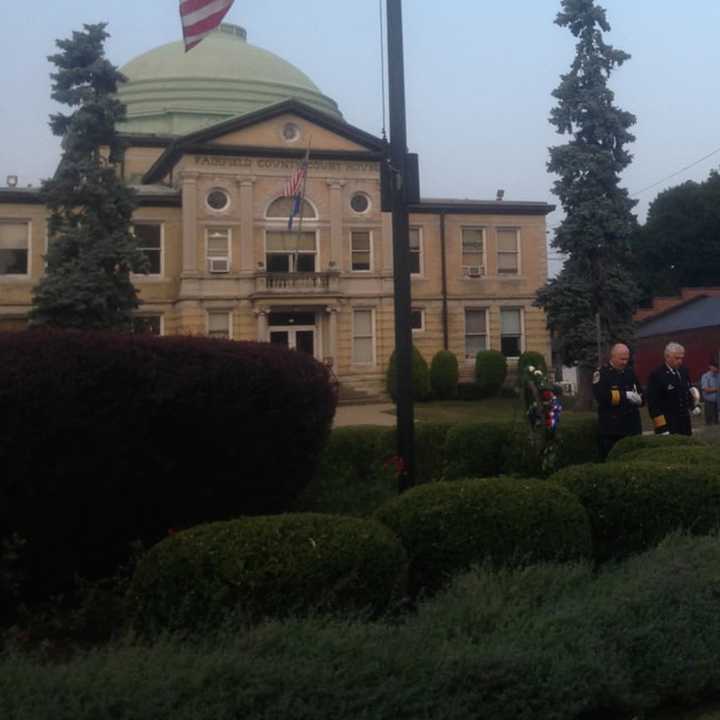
{"x": 401, "y": 246}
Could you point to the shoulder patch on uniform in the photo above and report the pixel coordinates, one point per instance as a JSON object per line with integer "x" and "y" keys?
{"x": 596, "y": 377}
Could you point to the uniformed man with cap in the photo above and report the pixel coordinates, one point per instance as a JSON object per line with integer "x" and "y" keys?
{"x": 671, "y": 396}
{"x": 619, "y": 396}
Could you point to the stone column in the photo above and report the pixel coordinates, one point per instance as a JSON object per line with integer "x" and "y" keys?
{"x": 331, "y": 345}
{"x": 336, "y": 225}
{"x": 189, "y": 222}
{"x": 262, "y": 324}
{"x": 247, "y": 225}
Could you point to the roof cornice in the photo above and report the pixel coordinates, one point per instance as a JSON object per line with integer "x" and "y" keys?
{"x": 480, "y": 207}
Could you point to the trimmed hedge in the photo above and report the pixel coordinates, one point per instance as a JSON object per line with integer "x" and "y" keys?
{"x": 447, "y": 527}
{"x": 633, "y": 506}
{"x": 643, "y": 442}
{"x": 476, "y": 450}
{"x": 420, "y": 377}
{"x": 259, "y": 567}
{"x": 678, "y": 455}
{"x": 107, "y": 439}
{"x": 490, "y": 371}
{"x": 444, "y": 374}
{"x": 357, "y": 474}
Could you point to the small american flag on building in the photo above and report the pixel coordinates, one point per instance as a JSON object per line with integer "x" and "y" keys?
{"x": 200, "y": 17}
{"x": 294, "y": 183}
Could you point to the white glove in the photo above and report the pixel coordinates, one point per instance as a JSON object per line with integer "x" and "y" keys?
{"x": 696, "y": 411}
{"x": 667, "y": 432}
{"x": 695, "y": 394}
{"x": 634, "y": 397}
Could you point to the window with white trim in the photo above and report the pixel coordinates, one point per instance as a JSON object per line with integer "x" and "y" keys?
{"x": 511, "y": 332}
{"x": 219, "y": 325}
{"x": 149, "y": 243}
{"x": 473, "y": 251}
{"x": 508, "y": 251}
{"x": 218, "y": 249}
{"x": 416, "y": 258}
{"x": 417, "y": 320}
{"x": 360, "y": 251}
{"x": 475, "y": 332}
{"x": 288, "y": 251}
{"x": 14, "y": 247}
{"x": 363, "y": 341}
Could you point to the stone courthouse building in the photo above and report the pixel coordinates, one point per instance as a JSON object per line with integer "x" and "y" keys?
{"x": 212, "y": 137}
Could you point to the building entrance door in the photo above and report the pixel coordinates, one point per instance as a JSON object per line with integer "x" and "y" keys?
{"x": 295, "y": 331}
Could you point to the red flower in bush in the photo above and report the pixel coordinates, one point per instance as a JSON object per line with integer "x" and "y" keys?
{"x": 397, "y": 463}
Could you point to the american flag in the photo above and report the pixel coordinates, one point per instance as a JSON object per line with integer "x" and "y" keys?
{"x": 200, "y": 17}
{"x": 294, "y": 183}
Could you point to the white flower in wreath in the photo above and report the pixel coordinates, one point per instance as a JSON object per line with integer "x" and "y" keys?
{"x": 538, "y": 372}
{"x": 531, "y": 368}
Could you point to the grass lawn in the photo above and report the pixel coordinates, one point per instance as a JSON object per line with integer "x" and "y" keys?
{"x": 511, "y": 409}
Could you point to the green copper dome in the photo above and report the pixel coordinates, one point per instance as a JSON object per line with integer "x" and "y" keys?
{"x": 171, "y": 92}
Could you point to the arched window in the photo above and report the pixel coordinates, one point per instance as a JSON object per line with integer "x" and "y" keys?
{"x": 280, "y": 209}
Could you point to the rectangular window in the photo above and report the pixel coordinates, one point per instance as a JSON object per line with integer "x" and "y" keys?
{"x": 287, "y": 252}
{"x": 360, "y": 251}
{"x": 363, "y": 337}
{"x": 218, "y": 249}
{"x": 475, "y": 332}
{"x": 473, "y": 251}
{"x": 149, "y": 243}
{"x": 14, "y": 247}
{"x": 417, "y": 320}
{"x": 219, "y": 325}
{"x": 416, "y": 265}
{"x": 511, "y": 332}
{"x": 147, "y": 325}
{"x": 507, "y": 251}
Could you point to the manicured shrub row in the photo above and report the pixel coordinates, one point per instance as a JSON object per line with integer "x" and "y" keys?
{"x": 476, "y": 450}
{"x": 632, "y": 506}
{"x": 547, "y": 642}
{"x": 420, "y": 377}
{"x": 646, "y": 442}
{"x": 447, "y": 527}
{"x": 266, "y": 567}
{"x": 444, "y": 374}
{"x": 107, "y": 439}
{"x": 677, "y": 455}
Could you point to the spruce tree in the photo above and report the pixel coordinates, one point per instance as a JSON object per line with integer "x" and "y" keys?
{"x": 596, "y": 282}
{"x": 91, "y": 250}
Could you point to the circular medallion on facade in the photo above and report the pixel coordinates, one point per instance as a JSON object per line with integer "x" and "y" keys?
{"x": 218, "y": 199}
{"x": 291, "y": 132}
{"x": 360, "y": 203}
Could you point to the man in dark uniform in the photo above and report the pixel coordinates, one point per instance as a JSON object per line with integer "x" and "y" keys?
{"x": 618, "y": 395}
{"x": 671, "y": 397}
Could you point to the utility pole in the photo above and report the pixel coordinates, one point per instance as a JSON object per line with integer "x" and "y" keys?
{"x": 401, "y": 245}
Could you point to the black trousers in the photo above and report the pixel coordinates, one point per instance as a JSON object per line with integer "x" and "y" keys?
{"x": 711, "y": 413}
{"x": 606, "y": 444}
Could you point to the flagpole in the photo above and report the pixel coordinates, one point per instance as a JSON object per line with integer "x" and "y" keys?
{"x": 401, "y": 246}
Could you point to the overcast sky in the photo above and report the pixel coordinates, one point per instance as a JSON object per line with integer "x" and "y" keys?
{"x": 478, "y": 80}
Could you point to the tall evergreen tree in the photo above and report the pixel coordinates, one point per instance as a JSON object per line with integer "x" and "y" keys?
{"x": 91, "y": 250}
{"x": 596, "y": 280}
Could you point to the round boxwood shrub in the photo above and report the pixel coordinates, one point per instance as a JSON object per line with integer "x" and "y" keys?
{"x": 475, "y": 450}
{"x": 678, "y": 455}
{"x": 266, "y": 567}
{"x": 645, "y": 442}
{"x": 632, "y": 506}
{"x": 420, "y": 377}
{"x": 107, "y": 439}
{"x": 490, "y": 371}
{"x": 447, "y": 527}
{"x": 444, "y": 375}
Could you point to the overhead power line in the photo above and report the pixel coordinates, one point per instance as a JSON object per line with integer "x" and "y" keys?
{"x": 676, "y": 173}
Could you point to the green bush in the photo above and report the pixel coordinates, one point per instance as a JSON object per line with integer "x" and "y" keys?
{"x": 678, "y": 455}
{"x": 576, "y": 441}
{"x": 632, "y": 506}
{"x": 420, "y": 377}
{"x": 447, "y": 527}
{"x": 490, "y": 371}
{"x": 470, "y": 392}
{"x": 444, "y": 374}
{"x": 264, "y": 567}
{"x": 643, "y": 442}
{"x": 475, "y": 450}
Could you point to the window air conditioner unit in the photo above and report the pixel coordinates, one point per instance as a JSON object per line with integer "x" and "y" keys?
{"x": 219, "y": 265}
{"x": 473, "y": 271}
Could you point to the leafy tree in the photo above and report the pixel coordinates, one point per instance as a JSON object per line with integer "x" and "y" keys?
{"x": 679, "y": 245}
{"x": 91, "y": 250}
{"x": 595, "y": 234}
